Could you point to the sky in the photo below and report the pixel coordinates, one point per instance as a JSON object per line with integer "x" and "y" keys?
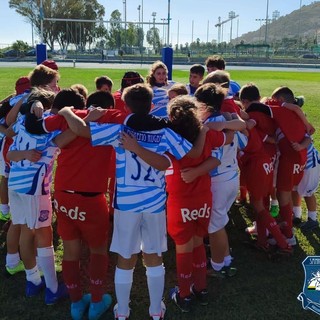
{"x": 190, "y": 19}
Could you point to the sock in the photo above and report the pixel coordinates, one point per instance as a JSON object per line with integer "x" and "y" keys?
{"x": 286, "y": 214}
{"x": 38, "y": 264}
{"x": 98, "y": 270}
{"x": 274, "y": 202}
{"x": 47, "y": 265}
{"x": 312, "y": 215}
{"x": 217, "y": 266}
{"x": 4, "y": 208}
{"x": 155, "y": 279}
{"x": 243, "y": 193}
{"x": 199, "y": 268}
{"x": 297, "y": 212}
{"x": 33, "y": 275}
{"x": 12, "y": 260}
{"x": 268, "y": 222}
{"x": 227, "y": 260}
{"x": 184, "y": 272}
{"x": 123, "y": 282}
{"x": 71, "y": 277}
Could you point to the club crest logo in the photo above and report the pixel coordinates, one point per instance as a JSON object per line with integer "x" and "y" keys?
{"x": 44, "y": 215}
{"x": 310, "y": 297}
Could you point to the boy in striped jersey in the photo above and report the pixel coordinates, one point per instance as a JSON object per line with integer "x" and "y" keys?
{"x": 139, "y": 220}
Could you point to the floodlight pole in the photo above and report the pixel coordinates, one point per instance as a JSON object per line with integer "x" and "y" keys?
{"x": 168, "y": 34}
{"x": 41, "y": 21}
{"x": 267, "y": 20}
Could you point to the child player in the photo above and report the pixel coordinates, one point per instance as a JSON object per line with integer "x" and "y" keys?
{"x": 195, "y": 77}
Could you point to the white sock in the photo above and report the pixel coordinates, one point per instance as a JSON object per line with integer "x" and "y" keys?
{"x": 312, "y": 215}
{"x": 227, "y": 260}
{"x": 216, "y": 265}
{"x": 33, "y": 275}
{"x": 123, "y": 282}
{"x": 297, "y": 212}
{"x": 4, "y": 208}
{"x": 274, "y": 202}
{"x": 155, "y": 279}
{"x": 47, "y": 265}
{"x": 12, "y": 260}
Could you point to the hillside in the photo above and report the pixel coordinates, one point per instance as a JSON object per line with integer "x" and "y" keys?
{"x": 304, "y": 23}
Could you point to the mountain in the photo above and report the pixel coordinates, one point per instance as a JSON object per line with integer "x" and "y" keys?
{"x": 304, "y": 23}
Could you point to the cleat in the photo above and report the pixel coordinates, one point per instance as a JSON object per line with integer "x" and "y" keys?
{"x": 97, "y": 309}
{"x": 225, "y": 272}
{"x": 274, "y": 210}
{"x": 79, "y": 308}
{"x": 52, "y": 298}
{"x": 309, "y": 225}
{"x": 296, "y": 221}
{"x": 288, "y": 251}
{"x": 201, "y": 296}
{"x": 252, "y": 230}
{"x": 184, "y": 304}
{"x": 161, "y": 315}
{"x": 119, "y": 316}
{"x": 230, "y": 271}
{"x": 240, "y": 202}
{"x": 18, "y": 268}
{"x": 32, "y": 289}
{"x": 5, "y": 216}
{"x": 290, "y": 241}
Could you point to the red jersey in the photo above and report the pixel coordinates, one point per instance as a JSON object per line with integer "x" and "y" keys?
{"x": 228, "y": 105}
{"x": 176, "y": 187}
{"x": 80, "y": 166}
{"x": 119, "y": 103}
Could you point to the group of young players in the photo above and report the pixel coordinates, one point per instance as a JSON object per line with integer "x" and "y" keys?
{"x": 168, "y": 159}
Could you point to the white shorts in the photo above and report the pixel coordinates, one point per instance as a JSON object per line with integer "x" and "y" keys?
{"x": 224, "y": 193}
{"x": 4, "y": 167}
{"x": 135, "y": 232}
{"x": 34, "y": 211}
{"x": 309, "y": 182}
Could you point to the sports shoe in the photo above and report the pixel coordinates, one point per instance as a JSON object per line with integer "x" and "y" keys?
{"x": 225, "y": 272}
{"x": 119, "y": 316}
{"x": 290, "y": 241}
{"x": 32, "y": 289}
{"x": 274, "y": 210}
{"x": 79, "y": 308}
{"x": 5, "y": 217}
{"x": 184, "y": 304}
{"x": 201, "y": 296}
{"x": 18, "y": 268}
{"x": 252, "y": 230}
{"x": 52, "y": 298}
{"x": 296, "y": 221}
{"x": 161, "y": 315}
{"x": 309, "y": 225}
{"x": 97, "y": 309}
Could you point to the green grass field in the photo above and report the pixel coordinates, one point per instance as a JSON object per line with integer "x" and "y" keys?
{"x": 262, "y": 289}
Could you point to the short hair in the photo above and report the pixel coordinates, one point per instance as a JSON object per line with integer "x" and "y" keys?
{"x": 285, "y": 93}
{"x": 103, "y": 80}
{"x": 198, "y": 69}
{"x": 182, "y": 113}
{"x": 155, "y": 66}
{"x": 218, "y": 77}
{"x": 46, "y": 97}
{"x": 42, "y": 76}
{"x": 212, "y": 95}
{"x": 249, "y": 92}
{"x": 102, "y": 99}
{"x": 69, "y": 97}
{"x": 138, "y": 98}
{"x": 130, "y": 78}
{"x": 179, "y": 89}
{"x": 215, "y": 61}
{"x": 81, "y": 89}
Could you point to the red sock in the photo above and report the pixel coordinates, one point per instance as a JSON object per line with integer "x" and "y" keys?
{"x": 243, "y": 192}
{"x": 71, "y": 277}
{"x": 268, "y": 222}
{"x": 199, "y": 268}
{"x": 98, "y": 271}
{"x": 184, "y": 272}
{"x": 286, "y": 214}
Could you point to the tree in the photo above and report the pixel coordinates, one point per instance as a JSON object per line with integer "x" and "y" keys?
{"x": 60, "y": 31}
{"x": 132, "y": 34}
{"x": 115, "y": 31}
{"x": 20, "y": 46}
{"x": 153, "y": 38}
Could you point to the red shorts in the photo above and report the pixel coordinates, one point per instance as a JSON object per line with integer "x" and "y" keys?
{"x": 188, "y": 217}
{"x": 290, "y": 172}
{"x": 258, "y": 176}
{"x": 82, "y": 217}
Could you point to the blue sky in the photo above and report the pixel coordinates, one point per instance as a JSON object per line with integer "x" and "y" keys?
{"x": 195, "y": 18}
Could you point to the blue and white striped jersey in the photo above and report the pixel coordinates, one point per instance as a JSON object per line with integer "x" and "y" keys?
{"x": 313, "y": 159}
{"x": 139, "y": 187}
{"x": 28, "y": 177}
{"x": 160, "y": 100}
{"x": 228, "y": 169}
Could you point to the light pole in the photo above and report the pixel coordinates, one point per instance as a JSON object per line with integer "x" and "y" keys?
{"x": 125, "y": 24}
{"x": 163, "y": 36}
{"x": 232, "y": 15}
{"x": 267, "y": 20}
{"x": 139, "y": 8}
{"x": 168, "y": 35}
{"x": 154, "y": 29}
